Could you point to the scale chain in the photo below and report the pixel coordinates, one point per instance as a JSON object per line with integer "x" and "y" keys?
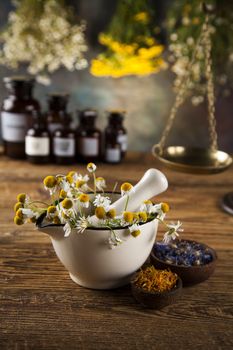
{"x": 181, "y": 95}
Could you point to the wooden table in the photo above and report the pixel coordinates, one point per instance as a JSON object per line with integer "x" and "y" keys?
{"x": 41, "y": 308}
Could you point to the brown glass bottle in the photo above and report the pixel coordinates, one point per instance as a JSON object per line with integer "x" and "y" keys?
{"x": 37, "y": 141}
{"x": 57, "y": 103}
{"x": 16, "y": 114}
{"x": 88, "y": 137}
{"x": 64, "y": 142}
{"x": 115, "y": 134}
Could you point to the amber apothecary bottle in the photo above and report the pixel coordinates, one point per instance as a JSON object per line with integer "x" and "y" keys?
{"x": 57, "y": 106}
{"x": 64, "y": 142}
{"x": 37, "y": 141}
{"x": 115, "y": 135}
{"x": 115, "y": 132}
{"x": 16, "y": 116}
{"x": 88, "y": 137}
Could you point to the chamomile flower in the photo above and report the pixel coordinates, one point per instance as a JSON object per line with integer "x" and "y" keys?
{"x": 127, "y": 218}
{"x": 84, "y": 178}
{"x": 91, "y": 167}
{"x": 74, "y": 175}
{"x": 50, "y": 183}
{"x": 21, "y": 198}
{"x": 18, "y": 220}
{"x": 17, "y": 206}
{"x": 84, "y": 200}
{"x": 82, "y": 224}
{"x": 142, "y": 216}
{"x": 111, "y": 214}
{"x": 100, "y": 183}
{"x": 173, "y": 231}
{"x": 100, "y": 213}
{"x": 102, "y": 201}
{"x": 67, "y": 203}
{"x": 146, "y": 206}
{"x": 157, "y": 209}
{"x": 134, "y": 230}
{"x": 81, "y": 185}
{"x": 126, "y": 188}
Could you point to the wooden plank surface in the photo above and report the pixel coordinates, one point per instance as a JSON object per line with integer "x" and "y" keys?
{"x": 41, "y": 308}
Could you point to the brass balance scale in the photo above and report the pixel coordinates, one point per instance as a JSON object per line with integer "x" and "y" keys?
{"x": 196, "y": 160}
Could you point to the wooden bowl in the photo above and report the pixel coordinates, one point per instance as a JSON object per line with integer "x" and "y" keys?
{"x": 156, "y": 300}
{"x": 190, "y": 275}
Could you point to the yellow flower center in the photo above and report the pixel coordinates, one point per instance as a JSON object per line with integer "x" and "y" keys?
{"x": 21, "y": 197}
{"x": 32, "y": 220}
{"x": 80, "y": 183}
{"x": 100, "y": 212}
{"x": 84, "y": 198}
{"x": 63, "y": 194}
{"x": 51, "y": 209}
{"x": 19, "y": 213}
{"x": 165, "y": 207}
{"x": 69, "y": 179}
{"x": 142, "y": 215}
{"x": 18, "y": 220}
{"x": 67, "y": 203}
{"x": 71, "y": 173}
{"x": 111, "y": 214}
{"x": 56, "y": 220}
{"x": 17, "y": 206}
{"x": 147, "y": 202}
{"x": 126, "y": 187}
{"x": 50, "y": 181}
{"x": 135, "y": 233}
{"x": 99, "y": 179}
{"x": 128, "y": 217}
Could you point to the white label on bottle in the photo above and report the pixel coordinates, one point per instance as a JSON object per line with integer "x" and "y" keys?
{"x": 113, "y": 155}
{"x": 123, "y": 141}
{"x": 64, "y": 147}
{"x": 14, "y": 126}
{"x": 88, "y": 146}
{"x": 37, "y": 146}
{"x": 53, "y": 126}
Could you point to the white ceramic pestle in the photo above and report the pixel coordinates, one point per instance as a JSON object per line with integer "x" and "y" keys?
{"x": 151, "y": 184}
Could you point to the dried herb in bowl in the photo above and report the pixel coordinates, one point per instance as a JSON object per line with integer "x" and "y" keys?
{"x": 154, "y": 288}
{"x": 152, "y": 280}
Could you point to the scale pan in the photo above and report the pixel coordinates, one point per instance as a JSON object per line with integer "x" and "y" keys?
{"x": 193, "y": 160}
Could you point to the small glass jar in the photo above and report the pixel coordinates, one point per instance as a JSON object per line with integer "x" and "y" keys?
{"x": 16, "y": 116}
{"x": 88, "y": 137}
{"x": 37, "y": 141}
{"x": 64, "y": 142}
{"x": 115, "y": 135}
{"x": 57, "y": 103}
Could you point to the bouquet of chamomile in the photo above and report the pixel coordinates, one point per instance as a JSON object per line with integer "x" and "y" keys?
{"x": 79, "y": 204}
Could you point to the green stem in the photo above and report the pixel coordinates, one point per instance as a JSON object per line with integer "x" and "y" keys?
{"x": 39, "y": 202}
{"x": 94, "y": 177}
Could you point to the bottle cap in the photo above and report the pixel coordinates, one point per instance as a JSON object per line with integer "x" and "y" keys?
{"x": 116, "y": 115}
{"x": 58, "y": 100}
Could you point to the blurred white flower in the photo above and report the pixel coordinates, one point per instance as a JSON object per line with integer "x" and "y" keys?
{"x": 173, "y": 231}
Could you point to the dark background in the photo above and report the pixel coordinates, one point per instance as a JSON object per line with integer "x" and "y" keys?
{"x": 147, "y": 100}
